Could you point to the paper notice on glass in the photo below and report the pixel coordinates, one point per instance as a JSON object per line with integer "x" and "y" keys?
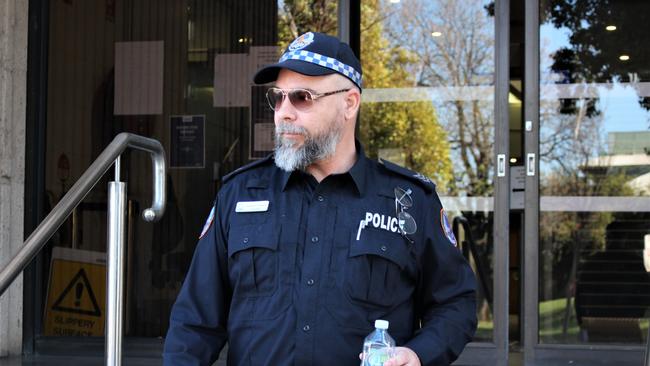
{"x": 232, "y": 79}
{"x": 139, "y": 78}
{"x": 261, "y": 56}
{"x": 187, "y": 142}
{"x": 517, "y": 187}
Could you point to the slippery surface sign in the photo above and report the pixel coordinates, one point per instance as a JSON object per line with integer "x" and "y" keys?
{"x": 76, "y": 295}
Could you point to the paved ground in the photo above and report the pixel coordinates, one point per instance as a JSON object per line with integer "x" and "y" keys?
{"x": 515, "y": 360}
{"x": 85, "y": 361}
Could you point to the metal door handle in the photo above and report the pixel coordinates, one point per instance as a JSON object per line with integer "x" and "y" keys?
{"x": 530, "y": 165}
{"x": 501, "y": 165}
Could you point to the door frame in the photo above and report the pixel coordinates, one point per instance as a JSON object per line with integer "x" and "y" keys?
{"x": 495, "y": 352}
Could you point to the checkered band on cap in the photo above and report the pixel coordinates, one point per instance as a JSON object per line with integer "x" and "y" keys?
{"x": 329, "y": 62}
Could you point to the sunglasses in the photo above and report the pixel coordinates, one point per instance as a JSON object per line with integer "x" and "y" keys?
{"x": 301, "y": 99}
{"x": 405, "y": 221}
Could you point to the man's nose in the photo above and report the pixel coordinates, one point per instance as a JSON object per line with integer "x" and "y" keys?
{"x": 285, "y": 111}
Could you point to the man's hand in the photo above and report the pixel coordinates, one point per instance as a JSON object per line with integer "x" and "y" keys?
{"x": 404, "y": 357}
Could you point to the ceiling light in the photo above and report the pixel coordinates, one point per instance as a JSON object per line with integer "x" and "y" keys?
{"x": 394, "y": 1}
{"x": 623, "y": 57}
{"x": 241, "y": 40}
{"x": 611, "y": 28}
{"x": 436, "y": 34}
{"x": 513, "y": 160}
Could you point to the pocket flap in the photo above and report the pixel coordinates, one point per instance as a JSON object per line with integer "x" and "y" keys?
{"x": 381, "y": 243}
{"x": 253, "y": 236}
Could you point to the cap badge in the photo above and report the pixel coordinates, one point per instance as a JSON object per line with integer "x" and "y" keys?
{"x": 302, "y": 41}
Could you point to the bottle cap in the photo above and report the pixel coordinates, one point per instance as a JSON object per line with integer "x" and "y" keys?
{"x": 381, "y": 324}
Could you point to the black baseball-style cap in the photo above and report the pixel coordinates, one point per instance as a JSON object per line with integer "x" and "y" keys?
{"x": 314, "y": 54}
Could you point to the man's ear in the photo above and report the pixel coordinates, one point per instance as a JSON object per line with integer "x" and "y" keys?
{"x": 352, "y": 103}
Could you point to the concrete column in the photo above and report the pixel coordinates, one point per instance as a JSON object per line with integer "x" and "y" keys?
{"x": 13, "y": 80}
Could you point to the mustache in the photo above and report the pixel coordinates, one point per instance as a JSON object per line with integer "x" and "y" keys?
{"x": 290, "y": 128}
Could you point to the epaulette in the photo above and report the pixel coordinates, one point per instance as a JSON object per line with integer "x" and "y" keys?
{"x": 423, "y": 180}
{"x": 246, "y": 167}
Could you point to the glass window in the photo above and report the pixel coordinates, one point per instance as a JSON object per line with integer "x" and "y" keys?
{"x": 176, "y": 71}
{"x": 428, "y": 104}
{"x": 594, "y": 171}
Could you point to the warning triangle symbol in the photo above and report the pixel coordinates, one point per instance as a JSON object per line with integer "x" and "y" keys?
{"x": 69, "y": 300}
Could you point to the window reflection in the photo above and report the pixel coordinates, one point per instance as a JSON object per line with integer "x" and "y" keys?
{"x": 205, "y": 53}
{"x": 595, "y": 172}
{"x": 425, "y": 109}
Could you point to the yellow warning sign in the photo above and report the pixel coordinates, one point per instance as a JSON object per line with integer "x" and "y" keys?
{"x": 76, "y": 295}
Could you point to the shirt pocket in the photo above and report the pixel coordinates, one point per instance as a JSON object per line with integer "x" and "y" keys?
{"x": 253, "y": 260}
{"x": 376, "y": 272}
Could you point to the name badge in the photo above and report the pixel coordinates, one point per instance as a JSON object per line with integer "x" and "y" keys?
{"x": 252, "y": 206}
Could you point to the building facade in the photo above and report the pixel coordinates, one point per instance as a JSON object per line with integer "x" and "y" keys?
{"x": 531, "y": 116}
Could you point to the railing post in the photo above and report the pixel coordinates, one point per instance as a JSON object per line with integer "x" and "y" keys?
{"x": 647, "y": 349}
{"x": 115, "y": 281}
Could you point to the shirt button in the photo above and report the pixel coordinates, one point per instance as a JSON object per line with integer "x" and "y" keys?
{"x": 320, "y": 198}
{"x": 383, "y": 248}
{"x": 306, "y": 328}
{"x": 310, "y": 282}
{"x": 245, "y": 240}
{"x": 314, "y": 239}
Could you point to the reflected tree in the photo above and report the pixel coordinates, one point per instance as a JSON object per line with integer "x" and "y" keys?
{"x": 451, "y": 49}
{"x": 572, "y": 133}
{"x": 593, "y": 51}
{"x": 573, "y": 126}
{"x": 453, "y": 44}
{"x": 411, "y": 127}
{"x": 299, "y": 16}
{"x": 568, "y": 141}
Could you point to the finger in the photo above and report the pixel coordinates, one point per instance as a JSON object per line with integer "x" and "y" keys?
{"x": 399, "y": 360}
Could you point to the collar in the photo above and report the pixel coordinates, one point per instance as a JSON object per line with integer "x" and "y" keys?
{"x": 358, "y": 172}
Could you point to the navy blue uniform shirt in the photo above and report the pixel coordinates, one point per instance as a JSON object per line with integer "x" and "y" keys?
{"x": 301, "y": 281}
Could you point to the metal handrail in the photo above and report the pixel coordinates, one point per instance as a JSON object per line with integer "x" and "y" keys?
{"x": 78, "y": 192}
{"x": 117, "y": 196}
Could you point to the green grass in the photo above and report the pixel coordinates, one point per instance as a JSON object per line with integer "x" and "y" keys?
{"x": 551, "y": 324}
{"x": 486, "y": 325}
{"x": 484, "y": 330}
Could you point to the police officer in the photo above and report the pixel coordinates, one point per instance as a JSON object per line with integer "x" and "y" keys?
{"x": 305, "y": 249}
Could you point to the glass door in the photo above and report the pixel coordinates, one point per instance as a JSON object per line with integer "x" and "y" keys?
{"x": 588, "y": 183}
{"x": 175, "y": 71}
{"x": 430, "y": 103}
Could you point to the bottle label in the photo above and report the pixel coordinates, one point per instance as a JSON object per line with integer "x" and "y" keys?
{"x": 377, "y": 357}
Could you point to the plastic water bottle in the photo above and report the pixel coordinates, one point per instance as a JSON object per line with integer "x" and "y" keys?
{"x": 378, "y": 346}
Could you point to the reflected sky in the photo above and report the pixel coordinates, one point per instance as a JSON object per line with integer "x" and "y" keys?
{"x": 620, "y": 106}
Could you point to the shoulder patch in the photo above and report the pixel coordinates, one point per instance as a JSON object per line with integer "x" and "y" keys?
{"x": 423, "y": 180}
{"x": 246, "y": 167}
{"x": 208, "y": 223}
{"x": 447, "y": 228}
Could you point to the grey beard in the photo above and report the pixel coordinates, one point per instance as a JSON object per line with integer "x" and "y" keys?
{"x": 315, "y": 148}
